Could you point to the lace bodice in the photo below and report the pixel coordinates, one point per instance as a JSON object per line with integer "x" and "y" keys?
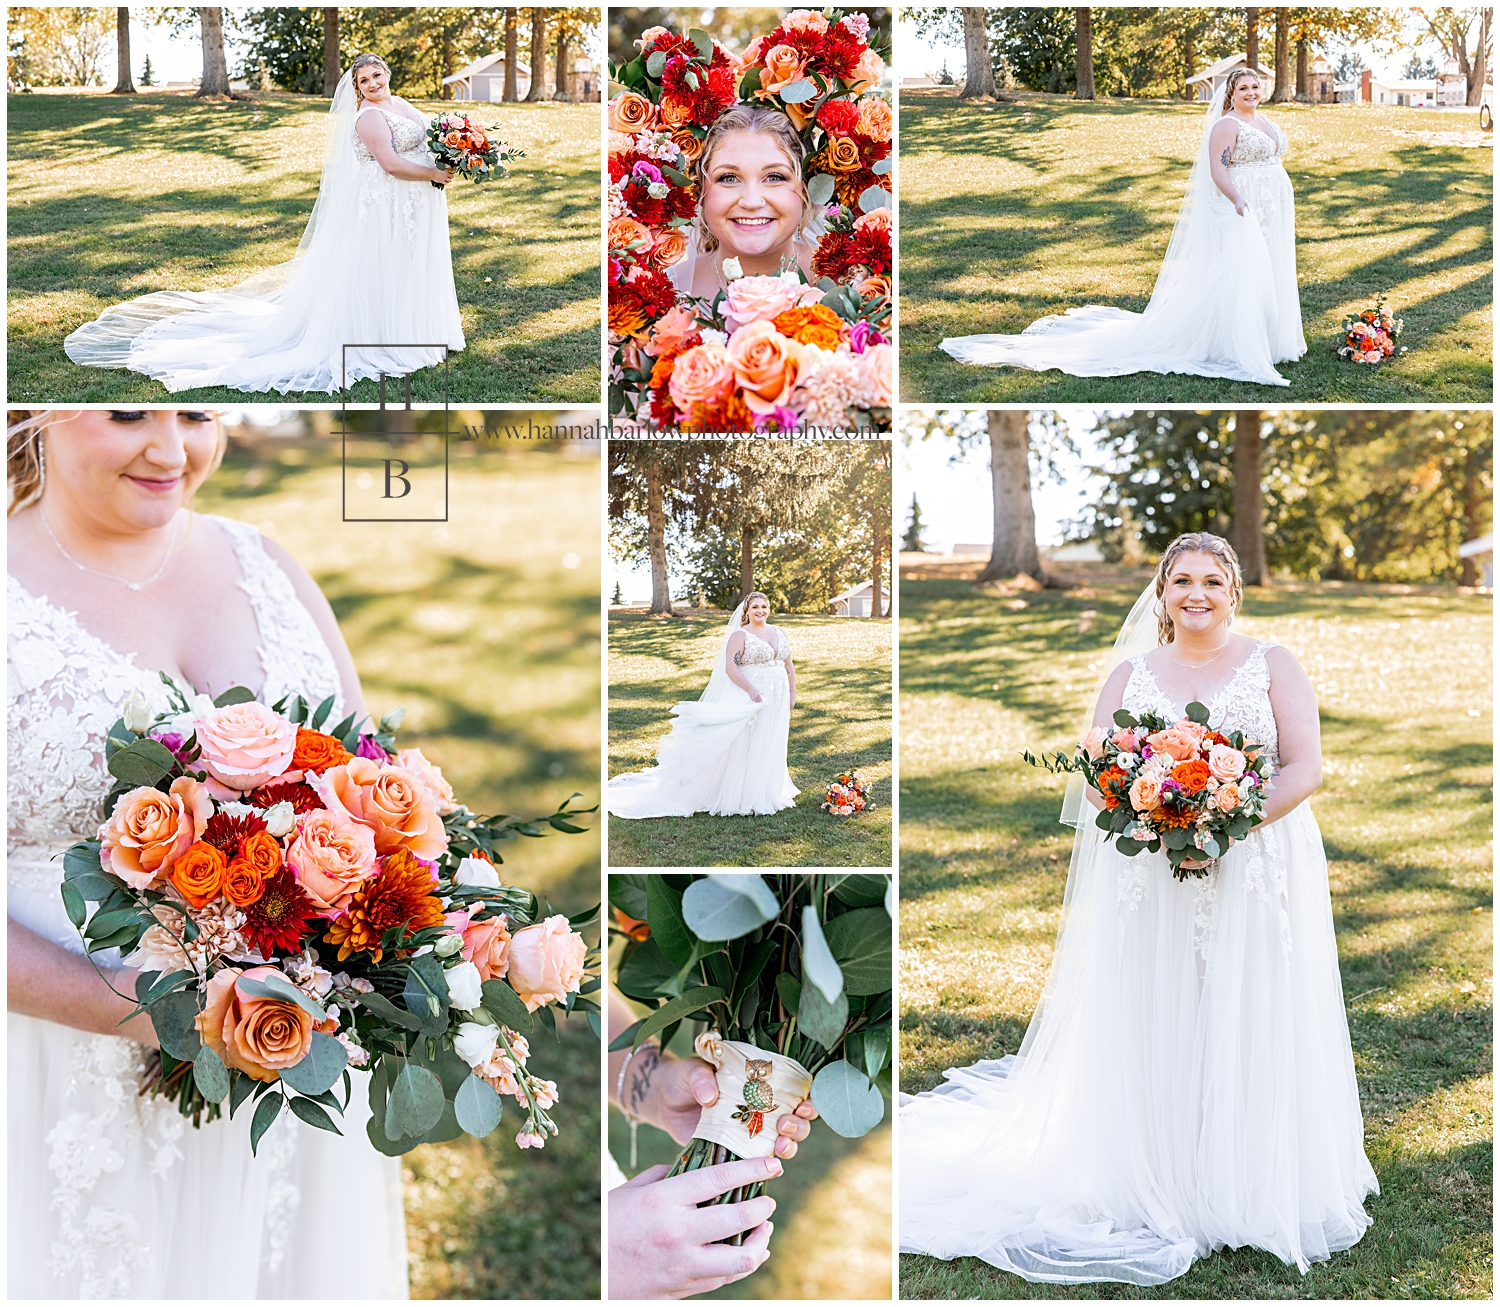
{"x": 65, "y": 688}
{"x": 1254, "y": 146}
{"x": 758, "y": 651}
{"x": 407, "y": 137}
{"x": 1242, "y": 703}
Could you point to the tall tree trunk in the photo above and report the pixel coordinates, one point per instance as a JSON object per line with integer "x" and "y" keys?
{"x": 656, "y": 541}
{"x": 1476, "y": 70}
{"x": 331, "y": 61}
{"x": 877, "y": 598}
{"x": 1189, "y": 63}
{"x": 1252, "y": 37}
{"x": 512, "y": 53}
{"x": 1084, "y": 19}
{"x": 1283, "y": 91}
{"x": 215, "y": 74}
{"x": 123, "y": 84}
{"x": 979, "y": 79}
{"x": 1014, "y": 549}
{"x": 560, "y": 79}
{"x": 747, "y": 560}
{"x": 1249, "y": 529}
{"x": 538, "y": 88}
{"x": 445, "y": 91}
{"x": 1302, "y": 89}
{"x": 1474, "y": 500}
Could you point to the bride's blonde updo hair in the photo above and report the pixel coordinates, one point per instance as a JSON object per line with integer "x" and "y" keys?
{"x": 1234, "y": 79}
{"x": 1196, "y": 542}
{"x": 364, "y": 61}
{"x": 746, "y": 602}
{"x": 754, "y": 119}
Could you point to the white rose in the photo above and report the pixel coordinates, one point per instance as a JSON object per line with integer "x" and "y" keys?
{"x": 463, "y": 986}
{"x": 448, "y": 945}
{"x": 477, "y": 871}
{"x": 236, "y": 809}
{"x": 732, "y": 269}
{"x": 658, "y": 190}
{"x": 137, "y": 713}
{"x": 476, "y": 1043}
{"x": 711, "y": 337}
{"x": 281, "y": 819}
{"x": 1128, "y": 761}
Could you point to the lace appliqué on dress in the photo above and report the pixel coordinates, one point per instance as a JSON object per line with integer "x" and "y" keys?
{"x": 381, "y": 192}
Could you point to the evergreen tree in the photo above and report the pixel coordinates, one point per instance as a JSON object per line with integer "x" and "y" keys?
{"x": 911, "y": 542}
{"x": 148, "y": 78}
{"x": 618, "y": 597}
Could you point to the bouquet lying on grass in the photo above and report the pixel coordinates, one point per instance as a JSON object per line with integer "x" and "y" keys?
{"x": 1371, "y": 335}
{"x": 1173, "y": 784}
{"x": 789, "y": 977}
{"x": 456, "y": 141}
{"x": 300, "y": 901}
{"x": 846, "y": 794}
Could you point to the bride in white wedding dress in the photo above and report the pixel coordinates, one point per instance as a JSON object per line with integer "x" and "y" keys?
{"x": 1225, "y": 302}
{"x": 726, "y": 752}
{"x": 373, "y": 269}
{"x": 1186, "y": 1082}
{"x": 110, "y": 1194}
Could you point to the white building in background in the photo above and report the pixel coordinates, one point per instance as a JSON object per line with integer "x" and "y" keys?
{"x": 1203, "y": 83}
{"x": 1482, "y": 551}
{"x": 484, "y": 80}
{"x": 857, "y": 601}
{"x": 1448, "y": 90}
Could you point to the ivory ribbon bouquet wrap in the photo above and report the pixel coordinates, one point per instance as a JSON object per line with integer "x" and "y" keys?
{"x": 302, "y": 898}
{"x": 789, "y": 978}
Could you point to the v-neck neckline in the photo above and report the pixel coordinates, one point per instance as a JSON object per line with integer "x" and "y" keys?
{"x": 1251, "y": 125}
{"x": 1218, "y": 694}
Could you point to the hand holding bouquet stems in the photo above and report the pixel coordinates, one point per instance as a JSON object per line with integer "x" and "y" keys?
{"x": 298, "y": 901}
{"x": 1178, "y": 785}
{"x": 790, "y": 976}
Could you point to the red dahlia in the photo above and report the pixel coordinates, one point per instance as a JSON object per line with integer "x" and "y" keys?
{"x": 841, "y": 52}
{"x": 227, "y": 833}
{"x": 277, "y": 922}
{"x": 300, "y": 795}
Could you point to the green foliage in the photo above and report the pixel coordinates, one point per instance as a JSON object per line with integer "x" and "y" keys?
{"x": 288, "y": 44}
{"x": 911, "y": 542}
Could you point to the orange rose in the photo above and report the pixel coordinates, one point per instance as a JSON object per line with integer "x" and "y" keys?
{"x": 546, "y": 962}
{"x": 842, "y": 154}
{"x": 674, "y": 112}
{"x": 1192, "y": 776}
{"x": 874, "y": 122}
{"x": 262, "y": 852}
{"x": 199, "y": 873}
{"x": 631, "y": 113}
{"x": 766, "y": 364}
{"x": 661, "y": 372}
{"x": 1228, "y": 797}
{"x": 332, "y": 855}
{"x": 783, "y": 66}
{"x": 875, "y": 287}
{"x": 1177, "y": 743}
{"x": 316, "y": 752}
{"x": 259, "y": 1036}
{"x": 243, "y": 883}
{"x": 625, "y": 232}
{"x": 392, "y": 803}
{"x": 670, "y": 247}
{"x": 487, "y": 946}
{"x": 700, "y": 375}
{"x": 148, "y": 831}
{"x": 814, "y": 324}
{"x": 690, "y": 145}
{"x": 876, "y": 220}
{"x": 1108, "y": 778}
{"x": 1145, "y": 793}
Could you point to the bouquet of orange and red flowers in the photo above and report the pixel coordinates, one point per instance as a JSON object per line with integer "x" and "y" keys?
{"x": 846, "y": 794}
{"x": 300, "y": 899}
{"x": 456, "y": 141}
{"x": 1370, "y": 336}
{"x": 1174, "y": 785}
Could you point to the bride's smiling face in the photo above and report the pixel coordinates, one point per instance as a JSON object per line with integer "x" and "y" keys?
{"x": 127, "y": 471}
{"x": 372, "y": 81}
{"x": 1197, "y": 595}
{"x": 758, "y": 612}
{"x": 1247, "y": 94}
{"x": 752, "y": 201}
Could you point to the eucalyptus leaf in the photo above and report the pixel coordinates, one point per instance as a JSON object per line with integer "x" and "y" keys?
{"x": 478, "y": 1107}
{"x": 143, "y": 763}
{"x": 656, "y": 62}
{"x": 506, "y": 1005}
{"x": 234, "y": 694}
{"x": 703, "y": 43}
{"x": 1197, "y": 712}
{"x": 320, "y": 1069}
{"x": 820, "y": 189}
{"x": 724, "y": 907}
{"x": 265, "y": 1114}
{"x": 314, "y": 1115}
{"x": 382, "y": 1007}
{"x": 881, "y": 166}
{"x": 874, "y": 197}
{"x": 426, "y": 993}
{"x": 210, "y": 1075}
{"x": 241, "y": 1087}
{"x": 174, "y": 1020}
{"x": 73, "y": 904}
{"x": 81, "y": 859}
{"x": 860, "y": 890}
{"x": 416, "y": 1102}
{"x": 820, "y": 1020}
{"x": 846, "y": 1100}
{"x": 818, "y": 963}
{"x": 798, "y": 92}
{"x": 277, "y": 986}
{"x": 877, "y": 1049}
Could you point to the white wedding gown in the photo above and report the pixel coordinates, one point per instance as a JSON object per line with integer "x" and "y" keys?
{"x": 1186, "y": 1082}
{"x": 723, "y": 756}
{"x": 112, "y": 1195}
{"x": 373, "y": 269}
{"x": 1225, "y": 303}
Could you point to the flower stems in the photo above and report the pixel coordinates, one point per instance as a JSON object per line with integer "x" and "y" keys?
{"x": 704, "y": 1152}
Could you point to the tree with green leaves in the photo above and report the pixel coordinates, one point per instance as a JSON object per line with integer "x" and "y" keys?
{"x": 1465, "y": 35}
{"x": 650, "y": 483}
{"x": 148, "y": 75}
{"x": 59, "y": 45}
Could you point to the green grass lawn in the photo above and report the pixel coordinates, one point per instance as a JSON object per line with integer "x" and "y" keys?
{"x": 115, "y": 196}
{"x": 1010, "y": 212}
{"x": 487, "y": 635}
{"x": 842, "y": 719}
{"x": 1403, "y": 679}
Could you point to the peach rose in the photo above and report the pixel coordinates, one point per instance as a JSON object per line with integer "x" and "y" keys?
{"x": 630, "y": 113}
{"x": 1174, "y": 742}
{"x": 332, "y": 856}
{"x": 867, "y": 74}
{"x": 618, "y": 142}
{"x": 1093, "y": 743}
{"x": 259, "y": 1036}
{"x": 245, "y": 744}
{"x": 546, "y": 962}
{"x": 625, "y": 232}
{"x": 673, "y": 332}
{"x": 876, "y": 220}
{"x": 752, "y": 54}
{"x": 487, "y": 946}
{"x": 1226, "y": 763}
{"x": 874, "y": 122}
{"x": 1228, "y": 797}
{"x": 1127, "y": 741}
{"x": 1145, "y": 793}
{"x": 759, "y": 299}
{"x": 805, "y": 20}
{"x": 148, "y": 831}
{"x": 648, "y": 36}
{"x": 674, "y": 112}
{"x": 783, "y": 66}
{"x": 669, "y": 247}
{"x": 430, "y": 777}
{"x": 389, "y": 800}
{"x": 690, "y": 145}
{"x": 876, "y": 287}
{"x": 842, "y": 154}
{"x": 877, "y": 361}
{"x": 700, "y": 375}
{"x": 766, "y": 364}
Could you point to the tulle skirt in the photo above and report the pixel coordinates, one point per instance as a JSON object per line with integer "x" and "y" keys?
{"x": 388, "y": 281}
{"x": 1233, "y": 313}
{"x": 726, "y": 758}
{"x": 1186, "y": 1083}
{"x": 111, "y": 1195}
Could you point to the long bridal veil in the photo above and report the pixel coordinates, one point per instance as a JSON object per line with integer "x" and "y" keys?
{"x": 283, "y": 328}
{"x": 1213, "y": 311}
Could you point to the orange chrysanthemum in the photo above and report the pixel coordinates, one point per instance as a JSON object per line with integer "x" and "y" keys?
{"x": 1108, "y": 777}
{"x": 400, "y": 895}
{"x": 317, "y": 752}
{"x": 1165, "y": 816}
{"x": 1191, "y": 775}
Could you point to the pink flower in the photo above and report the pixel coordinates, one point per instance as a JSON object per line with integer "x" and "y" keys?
{"x": 148, "y": 831}
{"x": 675, "y": 331}
{"x": 245, "y": 744}
{"x": 1126, "y": 741}
{"x": 1180, "y": 744}
{"x": 759, "y": 299}
{"x": 332, "y": 856}
{"x": 1226, "y": 763}
{"x": 1145, "y": 793}
{"x": 524, "y": 1140}
{"x": 805, "y": 20}
{"x": 1093, "y": 743}
{"x": 546, "y": 962}
{"x": 1227, "y": 798}
{"x": 429, "y": 777}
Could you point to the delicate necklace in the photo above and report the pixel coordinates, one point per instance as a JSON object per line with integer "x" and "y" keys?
{"x": 1204, "y": 663}
{"x": 109, "y": 576}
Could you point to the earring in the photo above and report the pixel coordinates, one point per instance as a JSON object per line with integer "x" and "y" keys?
{"x": 41, "y": 463}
